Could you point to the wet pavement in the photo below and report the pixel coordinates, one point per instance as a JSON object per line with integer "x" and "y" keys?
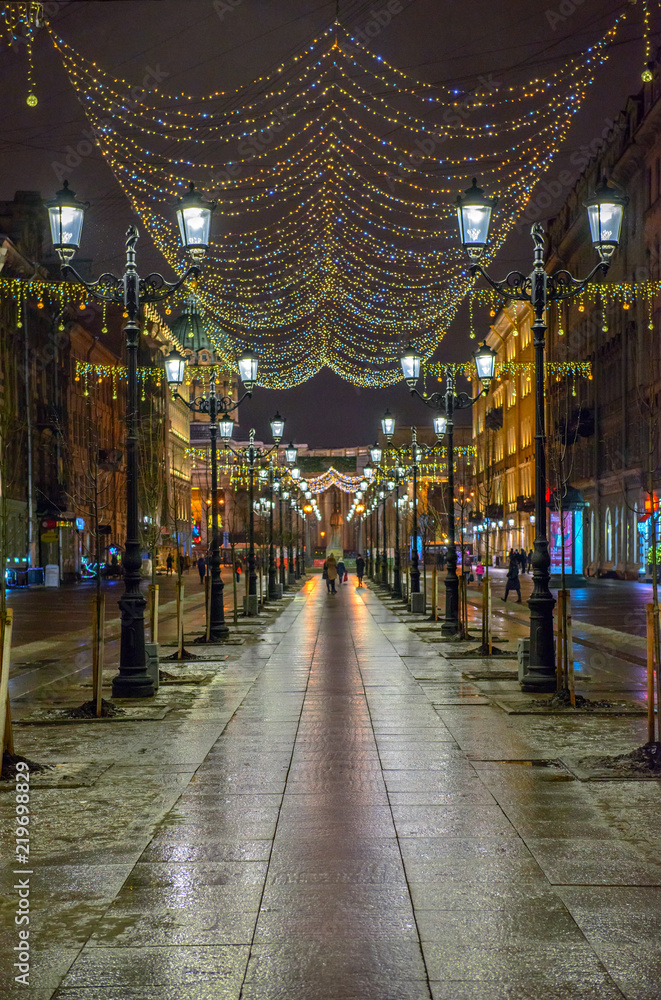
{"x": 334, "y": 816}
{"x": 47, "y": 613}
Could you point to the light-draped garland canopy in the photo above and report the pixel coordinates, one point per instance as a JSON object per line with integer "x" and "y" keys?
{"x": 334, "y": 242}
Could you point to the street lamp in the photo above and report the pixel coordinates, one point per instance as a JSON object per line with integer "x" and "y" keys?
{"x": 66, "y": 215}
{"x": 446, "y": 403}
{"x": 605, "y": 212}
{"x": 218, "y": 409}
{"x": 388, "y": 425}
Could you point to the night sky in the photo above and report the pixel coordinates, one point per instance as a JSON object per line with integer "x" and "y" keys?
{"x": 197, "y": 46}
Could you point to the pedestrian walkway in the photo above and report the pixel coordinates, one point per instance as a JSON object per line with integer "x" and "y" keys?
{"x": 359, "y": 828}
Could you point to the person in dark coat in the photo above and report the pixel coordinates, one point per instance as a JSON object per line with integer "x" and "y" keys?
{"x": 169, "y": 562}
{"x": 341, "y": 570}
{"x": 513, "y": 582}
{"x": 360, "y": 569}
{"x": 202, "y": 568}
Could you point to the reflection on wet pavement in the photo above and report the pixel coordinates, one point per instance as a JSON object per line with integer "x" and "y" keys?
{"x": 338, "y": 816}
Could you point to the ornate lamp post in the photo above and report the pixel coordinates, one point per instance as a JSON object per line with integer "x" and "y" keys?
{"x": 273, "y": 592}
{"x": 290, "y": 458}
{"x": 66, "y": 215}
{"x": 605, "y": 213}
{"x": 218, "y": 408}
{"x": 252, "y": 454}
{"x": 446, "y": 403}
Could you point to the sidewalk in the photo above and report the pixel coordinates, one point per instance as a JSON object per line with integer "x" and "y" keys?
{"x": 338, "y": 815}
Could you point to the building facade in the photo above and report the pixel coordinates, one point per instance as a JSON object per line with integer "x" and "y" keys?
{"x": 610, "y": 423}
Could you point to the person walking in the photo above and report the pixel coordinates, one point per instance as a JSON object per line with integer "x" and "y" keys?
{"x": 360, "y": 569}
{"x": 479, "y": 573}
{"x": 331, "y": 570}
{"x": 513, "y": 582}
{"x": 169, "y": 562}
{"x": 530, "y": 561}
{"x": 341, "y": 570}
{"x": 202, "y": 568}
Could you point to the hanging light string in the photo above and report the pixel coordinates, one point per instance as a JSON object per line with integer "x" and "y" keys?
{"x": 335, "y": 175}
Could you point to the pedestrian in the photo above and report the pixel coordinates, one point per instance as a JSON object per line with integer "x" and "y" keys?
{"x": 479, "y": 573}
{"x": 180, "y": 564}
{"x": 513, "y": 582}
{"x": 530, "y": 561}
{"x": 523, "y": 560}
{"x": 238, "y": 570}
{"x": 341, "y": 570}
{"x": 202, "y": 568}
{"x": 331, "y": 573}
{"x": 169, "y": 562}
{"x": 360, "y": 569}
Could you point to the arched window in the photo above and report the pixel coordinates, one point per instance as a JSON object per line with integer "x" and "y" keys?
{"x": 608, "y": 535}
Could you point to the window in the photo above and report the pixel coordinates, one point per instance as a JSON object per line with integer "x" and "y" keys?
{"x": 511, "y": 485}
{"x": 511, "y": 392}
{"x": 608, "y": 535}
{"x": 511, "y": 440}
{"x": 526, "y": 432}
{"x": 526, "y": 480}
{"x": 525, "y": 332}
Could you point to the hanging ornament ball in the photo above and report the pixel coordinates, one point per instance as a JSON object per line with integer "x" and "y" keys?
{"x": 646, "y": 77}
{"x": 40, "y": 305}
{"x": 561, "y": 332}
{"x": 650, "y": 326}
{"x": 492, "y": 312}
{"x": 82, "y": 306}
{"x": 61, "y": 327}
{"x": 104, "y": 329}
{"x": 32, "y": 100}
{"x": 167, "y": 311}
{"x": 125, "y": 315}
{"x": 604, "y": 329}
{"x": 625, "y": 305}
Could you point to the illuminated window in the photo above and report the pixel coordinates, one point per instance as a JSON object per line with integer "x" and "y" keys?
{"x": 511, "y": 440}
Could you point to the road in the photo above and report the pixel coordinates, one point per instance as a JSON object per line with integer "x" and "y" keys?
{"x": 616, "y": 604}
{"x": 41, "y": 613}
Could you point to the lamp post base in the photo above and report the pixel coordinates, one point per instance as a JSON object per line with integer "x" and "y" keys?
{"x": 251, "y": 605}
{"x": 540, "y": 675}
{"x": 417, "y": 604}
{"x": 132, "y": 681}
{"x": 215, "y": 635}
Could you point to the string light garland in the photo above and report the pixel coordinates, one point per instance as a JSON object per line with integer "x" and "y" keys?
{"x": 335, "y": 176}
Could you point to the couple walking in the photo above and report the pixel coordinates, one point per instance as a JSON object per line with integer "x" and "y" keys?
{"x": 333, "y": 571}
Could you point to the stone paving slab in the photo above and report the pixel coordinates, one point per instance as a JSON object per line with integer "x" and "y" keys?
{"x": 339, "y": 815}
{"x": 57, "y": 717}
{"x": 517, "y": 705}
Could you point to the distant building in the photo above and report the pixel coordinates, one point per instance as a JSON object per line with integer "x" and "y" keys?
{"x": 504, "y": 435}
